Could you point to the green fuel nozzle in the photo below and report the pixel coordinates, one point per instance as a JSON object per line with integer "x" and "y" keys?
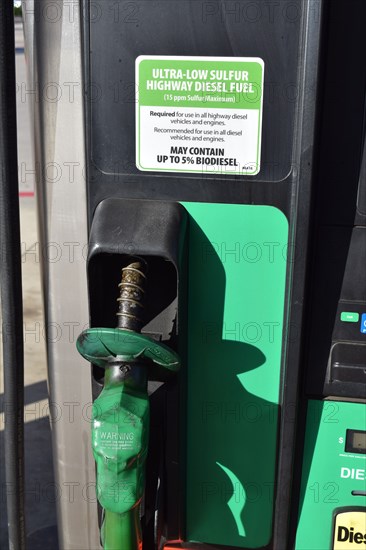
{"x": 120, "y": 418}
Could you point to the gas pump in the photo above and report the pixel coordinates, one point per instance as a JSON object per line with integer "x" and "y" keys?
{"x": 332, "y": 502}
{"x": 333, "y": 485}
{"x": 205, "y": 136}
{"x": 185, "y": 165}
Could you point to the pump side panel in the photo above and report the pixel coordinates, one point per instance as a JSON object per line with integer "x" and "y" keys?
{"x": 237, "y": 272}
{"x": 53, "y": 48}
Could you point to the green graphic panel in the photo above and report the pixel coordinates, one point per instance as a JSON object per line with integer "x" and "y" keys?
{"x": 237, "y": 270}
{"x": 330, "y": 473}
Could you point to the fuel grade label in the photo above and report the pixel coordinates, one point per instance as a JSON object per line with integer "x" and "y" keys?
{"x": 349, "y": 529}
{"x": 199, "y": 114}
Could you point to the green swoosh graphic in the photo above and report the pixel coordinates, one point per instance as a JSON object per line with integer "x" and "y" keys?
{"x": 236, "y": 508}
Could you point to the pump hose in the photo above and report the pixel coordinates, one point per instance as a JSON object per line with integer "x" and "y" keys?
{"x": 11, "y": 285}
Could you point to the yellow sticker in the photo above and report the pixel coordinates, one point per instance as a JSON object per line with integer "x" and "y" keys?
{"x": 350, "y": 530}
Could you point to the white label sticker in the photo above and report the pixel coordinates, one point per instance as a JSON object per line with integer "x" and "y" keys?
{"x": 199, "y": 114}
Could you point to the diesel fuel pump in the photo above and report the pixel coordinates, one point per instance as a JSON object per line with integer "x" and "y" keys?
{"x": 215, "y": 160}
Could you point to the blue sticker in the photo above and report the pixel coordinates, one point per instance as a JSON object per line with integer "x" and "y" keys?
{"x": 363, "y": 323}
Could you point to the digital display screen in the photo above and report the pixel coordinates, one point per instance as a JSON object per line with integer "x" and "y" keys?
{"x": 356, "y": 441}
{"x": 359, "y": 440}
